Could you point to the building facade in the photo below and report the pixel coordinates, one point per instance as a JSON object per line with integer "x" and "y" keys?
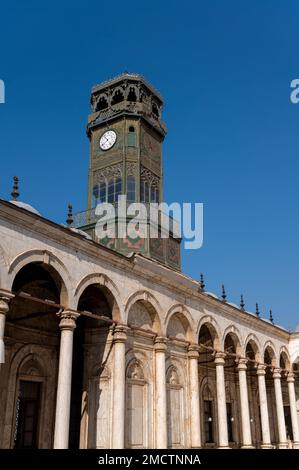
{"x": 112, "y": 346}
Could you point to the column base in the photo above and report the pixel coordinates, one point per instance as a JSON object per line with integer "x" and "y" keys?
{"x": 282, "y": 445}
{"x": 247, "y": 447}
{"x": 296, "y": 445}
{"x": 266, "y": 446}
{"x": 223, "y": 447}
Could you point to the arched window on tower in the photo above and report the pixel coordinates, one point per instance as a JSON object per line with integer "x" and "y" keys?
{"x": 95, "y": 195}
{"x": 132, "y": 94}
{"x": 117, "y": 189}
{"x": 118, "y": 97}
{"x": 155, "y": 110}
{"x": 149, "y": 192}
{"x": 103, "y": 191}
{"x": 146, "y": 191}
{"x": 111, "y": 190}
{"x": 132, "y": 137}
{"x": 131, "y": 190}
{"x": 102, "y": 104}
{"x": 153, "y": 193}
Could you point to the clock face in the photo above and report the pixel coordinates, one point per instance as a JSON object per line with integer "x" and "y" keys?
{"x": 107, "y": 140}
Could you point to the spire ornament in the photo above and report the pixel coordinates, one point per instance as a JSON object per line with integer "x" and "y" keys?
{"x": 223, "y": 295}
{"x": 70, "y": 218}
{"x": 202, "y": 283}
{"x": 242, "y": 303}
{"x": 257, "y": 311}
{"x": 15, "y": 190}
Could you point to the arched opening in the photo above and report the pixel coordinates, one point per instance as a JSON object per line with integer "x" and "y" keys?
{"x": 136, "y": 406}
{"x": 131, "y": 189}
{"x": 41, "y": 281}
{"x": 39, "y": 291}
{"x": 118, "y": 97}
{"x": 208, "y": 339}
{"x": 132, "y": 95}
{"x": 89, "y": 332}
{"x": 175, "y": 409}
{"x": 102, "y": 103}
{"x": 143, "y": 315}
{"x": 28, "y": 408}
{"x": 178, "y": 327}
{"x": 231, "y": 347}
{"x": 155, "y": 110}
{"x": 132, "y": 137}
{"x": 95, "y": 195}
{"x": 270, "y": 362}
{"x": 284, "y": 364}
{"x": 252, "y": 355}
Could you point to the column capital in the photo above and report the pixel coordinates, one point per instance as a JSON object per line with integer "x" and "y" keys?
{"x": 5, "y": 298}
{"x": 276, "y": 372}
{"x": 160, "y": 344}
{"x": 219, "y": 358}
{"x": 193, "y": 351}
{"x": 290, "y": 377}
{"x": 120, "y": 334}
{"x": 242, "y": 363}
{"x": 261, "y": 369}
{"x": 68, "y": 319}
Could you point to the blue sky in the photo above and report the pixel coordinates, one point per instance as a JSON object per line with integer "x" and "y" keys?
{"x": 224, "y": 69}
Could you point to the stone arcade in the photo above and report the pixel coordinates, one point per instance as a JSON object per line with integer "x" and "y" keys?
{"x": 112, "y": 346}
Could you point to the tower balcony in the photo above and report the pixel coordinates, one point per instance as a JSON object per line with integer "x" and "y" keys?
{"x": 159, "y": 243}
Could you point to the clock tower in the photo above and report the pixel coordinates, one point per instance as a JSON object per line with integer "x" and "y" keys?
{"x": 126, "y": 133}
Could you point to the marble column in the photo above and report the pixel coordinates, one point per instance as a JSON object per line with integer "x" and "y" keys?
{"x": 244, "y": 404}
{"x": 63, "y": 400}
{"x": 279, "y": 410}
{"x": 160, "y": 392}
{"x": 194, "y": 396}
{"x": 266, "y": 439}
{"x": 293, "y": 409}
{"x": 119, "y": 387}
{"x": 221, "y": 401}
{"x": 4, "y": 307}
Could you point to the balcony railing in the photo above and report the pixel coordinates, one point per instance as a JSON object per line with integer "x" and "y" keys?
{"x": 89, "y": 217}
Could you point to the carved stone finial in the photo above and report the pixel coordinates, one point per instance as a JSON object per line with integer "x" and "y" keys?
{"x": 202, "y": 283}
{"x": 223, "y": 296}
{"x": 257, "y": 311}
{"x": 15, "y": 190}
{"x": 271, "y": 317}
{"x": 70, "y": 218}
{"x": 242, "y": 303}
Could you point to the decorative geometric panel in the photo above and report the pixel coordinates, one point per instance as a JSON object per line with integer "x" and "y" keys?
{"x": 114, "y": 171}
{"x": 173, "y": 252}
{"x": 147, "y": 175}
{"x": 133, "y": 244}
{"x": 157, "y": 248}
{"x": 131, "y": 169}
